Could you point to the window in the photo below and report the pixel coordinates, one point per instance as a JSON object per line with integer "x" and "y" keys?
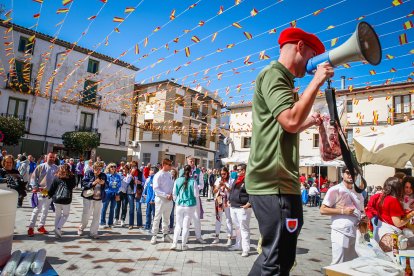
{"x": 86, "y": 121}
{"x": 146, "y": 158}
{"x": 402, "y": 104}
{"x": 25, "y": 46}
{"x": 246, "y": 142}
{"x": 17, "y": 107}
{"x": 20, "y": 78}
{"x": 315, "y": 140}
{"x": 89, "y": 92}
{"x": 349, "y": 136}
{"x": 93, "y": 66}
{"x": 148, "y": 125}
{"x": 349, "y": 106}
{"x": 151, "y": 98}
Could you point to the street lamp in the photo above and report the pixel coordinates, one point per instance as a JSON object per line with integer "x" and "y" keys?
{"x": 121, "y": 122}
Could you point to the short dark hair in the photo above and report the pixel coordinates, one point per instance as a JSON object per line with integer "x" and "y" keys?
{"x": 242, "y": 166}
{"x": 166, "y": 162}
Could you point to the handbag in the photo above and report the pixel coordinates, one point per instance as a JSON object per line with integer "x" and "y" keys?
{"x": 138, "y": 192}
{"x": 117, "y": 198}
{"x": 63, "y": 195}
{"x": 87, "y": 193}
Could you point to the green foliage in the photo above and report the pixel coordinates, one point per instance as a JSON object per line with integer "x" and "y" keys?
{"x": 80, "y": 141}
{"x": 13, "y": 129}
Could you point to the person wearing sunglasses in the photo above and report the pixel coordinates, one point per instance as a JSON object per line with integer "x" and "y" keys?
{"x": 112, "y": 189}
{"x": 346, "y": 208}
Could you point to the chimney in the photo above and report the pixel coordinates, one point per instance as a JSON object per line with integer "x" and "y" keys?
{"x": 343, "y": 82}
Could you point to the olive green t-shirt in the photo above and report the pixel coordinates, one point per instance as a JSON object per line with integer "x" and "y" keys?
{"x": 273, "y": 166}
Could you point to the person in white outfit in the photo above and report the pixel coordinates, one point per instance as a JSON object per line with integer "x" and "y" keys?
{"x": 240, "y": 210}
{"x": 163, "y": 188}
{"x": 93, "y": 192}
{"x": 221, "y": 192}
{"x": 41, "y": 181}
{"x": 346, "y": 208}
{"x": 184, "y": 196}
{"x": 199, "y": 181}
{"x": 61, "y": 194}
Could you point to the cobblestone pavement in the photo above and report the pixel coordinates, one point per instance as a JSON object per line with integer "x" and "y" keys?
{"x": 121, "y": 251}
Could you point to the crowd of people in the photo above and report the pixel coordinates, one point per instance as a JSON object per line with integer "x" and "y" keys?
{"x": 112, "y": 191}
{"x": 313, "y": 188}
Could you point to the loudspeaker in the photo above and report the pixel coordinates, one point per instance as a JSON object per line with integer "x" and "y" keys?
{"x": 363, "y": 45}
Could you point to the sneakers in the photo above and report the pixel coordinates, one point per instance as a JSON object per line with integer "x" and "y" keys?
{"x": 228, "y": 242}
{"x": 184, "y": 247}
{"x": 30, "y": 232}
{"x": 173, "y": 246}
{"x": 130, "y": 227}
{"x": 80, "y": 231}
{"x": 94, "y": 236}
{"x": 200, "y": 240}
{"x": 154, "y": 240}
{"x": 122, "y": 223}
{"x": 245, "y": 254}
{"x": 106, "y": 227}
{"x": 167, "y": 238}
{"x": 58, "y": 233}
{"x": 116, "y": 222}
{"x": 216, "y": 240}
{"x": 234, "y": 248}
{"x": 42, "y": 230}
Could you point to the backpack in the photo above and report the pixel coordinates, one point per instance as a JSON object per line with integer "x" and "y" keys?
{"x": 62, "y": 194}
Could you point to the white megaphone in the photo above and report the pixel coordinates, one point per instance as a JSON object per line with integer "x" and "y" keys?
{"x": 363, "y": 45}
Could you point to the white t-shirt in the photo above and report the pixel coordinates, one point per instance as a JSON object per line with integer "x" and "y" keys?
{"x": 313, "y": 191}
{"x": 163, "y": 184}
{"x": 341, "y": 197}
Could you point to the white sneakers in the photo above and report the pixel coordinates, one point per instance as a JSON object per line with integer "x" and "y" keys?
{"x": 122, "y": 223}
{"x": 173, "y": 246}
{"x": 154, "y": 240}
{"x": 167, "y": 238}
{"x": 234, "y": 248}
{"x": 245, "y": 254}
{"x": 228, "y": 243}
{"x": 116, "y": 222}
{"x": 58, "y": 233}
{"x": 216, "y": 240}
{"x": 80, "y": 231}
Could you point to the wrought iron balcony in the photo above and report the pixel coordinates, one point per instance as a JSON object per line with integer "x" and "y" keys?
{"x": 198, "y": 115}
{"x": 27, "y": 120}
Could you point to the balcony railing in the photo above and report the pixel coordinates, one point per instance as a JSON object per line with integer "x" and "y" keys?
{"x": 198, "y": 115}
{"x": 91, "y": 102}
{"x": 27, "y": 120}
{"x": 20, "y": 86}
{"x": 197, "y": 141}
{"x": 86, "y": 129}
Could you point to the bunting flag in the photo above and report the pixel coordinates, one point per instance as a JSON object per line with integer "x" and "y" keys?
{"x": 214, "y": 37}
{"x": 370, "y": 98}
{"x": 248, "y": 35}
{"x": 66, "y": 2}
{"x": 330, "y": 27}
{"x": 118, "y": 19}
{"x": 372, "y": 72}
{"x": 192, "y": 6}
{"x": 187, "y": 51}
{"x": 246, "y": 60}
{"x": 403, "y": 39}
{"x": 172, "y": 15}
{"x": 237, "y": 25}
{"x": 136, "y": 49}
{"x": 346, "y": 65}
{"x": 195, "y": 39}
{"x": 38, "y": 1}
{"x": 236, "y": 2}
{"x": 7, "y": 20}
{"x": 156, "y": 29}
{"x": 65, "y": 10}
{"x": 106, "y": 41}
{"x": 273, "y": 31}
{"x": 230, "y": 45}
{"x": 37, "y": 15}
{"x": 397, "y": 2}
{"x": 201, "y": 23}
{"x": 146, "y": 42}
{"x": 318, "y": 12}
{"x": 263, "y": 56}
{"x": 167, "y": 47}
{"x": 186, "y": 31}
{"x": 388, "y": 56}
{"x": 350, "y": 88}
{"x": 104, "y": 1}
{"x": 412, "y": 52}
{"x": 393, "y": 70}
{"x": 387, "y": 82}
{"x": 92, "y": 17}
{"x": 129, "y": 9}
{"x": 293, "y": 24}
{"x": 408, "y": 25}
{"x": 220, "y": 10}
{"x": 32, "y": 38}
{"x": 253, "y": 12}
{"x": 410, "y": 14}
{"x": 176, "y": 39}
{"x": 7, "y": 15}
{"x": 334, "y": 41}
{"x": 59, "y": 23}
{"x": 360, "y": 18}
{"x": 117, "y": 30}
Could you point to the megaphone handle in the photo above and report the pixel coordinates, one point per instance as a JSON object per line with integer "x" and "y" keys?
{"x": 331, "y": 101}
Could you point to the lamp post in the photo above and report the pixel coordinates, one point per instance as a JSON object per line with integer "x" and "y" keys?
{"x": 120, "y": 123}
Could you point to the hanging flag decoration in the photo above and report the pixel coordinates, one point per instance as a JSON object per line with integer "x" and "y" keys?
{"x": 38, "y": 1}
{"x": 397, "y": 2}
{"x": 408, "y": 25}
{"x": 236, "y": 2}
{"x": 106, "y": 41}
{"x": 92, "y": 17}
{"x": 172, "y": 15}
{"x": 64, "y": 10}
{"x": 346, "y": 65}
{"x": 403, "y": 39}
{"x": 37, "y": 15}
{"x": 334, "y": 41}
{"x": 192, "y": 6}
{"x": 262, "y": 55}
{"x": 230, "y": 45}
{"x": 66, "y": 2}
{"x": 176, "y": 39}
{"x": 146, "y": 42}
{"x": 136, "y": 49}
{"x": 116, "y": 30}
{"x": 248, "y": 35}
{"x": 156, "y": 29}
{"x": 273, "y": 31}
{"x": 318, "y": 12}
{"x": 360, "y": 18}
{"x": 293, "y": 24}
{"x": 187, "y": 51}
{"x": 129, "y": 9}
{"x": 201, "y": 23}
{"x": 388, "y": 56}
{"x": 237, "y": 25}
{"x": 372, "y": 72}
{"x": 253, "y": 12}
{"x": 330, "y": 27}
{"x": 214, "y": 37}
{"x": 118, "y": 19}
{"x": 393, "y": 70}
{"x": 195, "y": 39}
{"x": 220, "y": 10}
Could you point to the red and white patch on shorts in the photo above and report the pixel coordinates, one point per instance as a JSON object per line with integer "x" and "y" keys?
{"x": 292, "y": 224}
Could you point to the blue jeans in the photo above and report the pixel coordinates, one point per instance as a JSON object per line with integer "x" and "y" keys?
{"x": 131, "y": 203}
{"x": 150, "y": 214}
{"x": 110, "y": 199}
{"x": 139, "y": 212}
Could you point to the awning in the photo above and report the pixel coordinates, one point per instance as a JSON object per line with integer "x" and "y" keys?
{"x": 316, "y": 161}
{"x": 238, "y": 157}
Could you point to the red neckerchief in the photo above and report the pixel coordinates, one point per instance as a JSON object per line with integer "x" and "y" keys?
{"x": 240, "y": 180}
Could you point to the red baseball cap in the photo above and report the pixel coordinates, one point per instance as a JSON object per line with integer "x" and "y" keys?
{"x": 292, "y": 35}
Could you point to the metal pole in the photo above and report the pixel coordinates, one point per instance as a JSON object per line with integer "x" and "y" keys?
{"x": 50, "y": 102}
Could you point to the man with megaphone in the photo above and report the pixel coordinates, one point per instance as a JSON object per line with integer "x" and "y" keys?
{"x": 279, "y": 115}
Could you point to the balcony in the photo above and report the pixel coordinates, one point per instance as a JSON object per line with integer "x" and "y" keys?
{"x": 19, "y": 85}
{"x": 197, "y": 141}
{"x": 402, "y": 117}
{"x": 27, "y": 120}
{"x": 91, "y": 101}
{"x": 198, "y": 115}
{"x": 86, "y": 129}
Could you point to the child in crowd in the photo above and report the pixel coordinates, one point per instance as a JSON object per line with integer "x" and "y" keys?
{"x": 149, "y": 199}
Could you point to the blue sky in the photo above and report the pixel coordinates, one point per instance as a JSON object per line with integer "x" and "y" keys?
{"x": 149, "y": 14}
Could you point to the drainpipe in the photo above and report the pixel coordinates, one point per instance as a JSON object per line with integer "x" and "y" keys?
{"x": 50, "y": 102}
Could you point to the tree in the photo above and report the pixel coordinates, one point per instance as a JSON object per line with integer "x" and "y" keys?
{"x": 80, "y": 141}
{"x": 12, "y": 129}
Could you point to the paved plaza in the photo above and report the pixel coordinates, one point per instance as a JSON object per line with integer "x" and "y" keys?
{"x": 121, "y": 251}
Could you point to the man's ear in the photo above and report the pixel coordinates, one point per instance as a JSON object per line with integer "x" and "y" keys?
{"x": 300, "y": 46}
